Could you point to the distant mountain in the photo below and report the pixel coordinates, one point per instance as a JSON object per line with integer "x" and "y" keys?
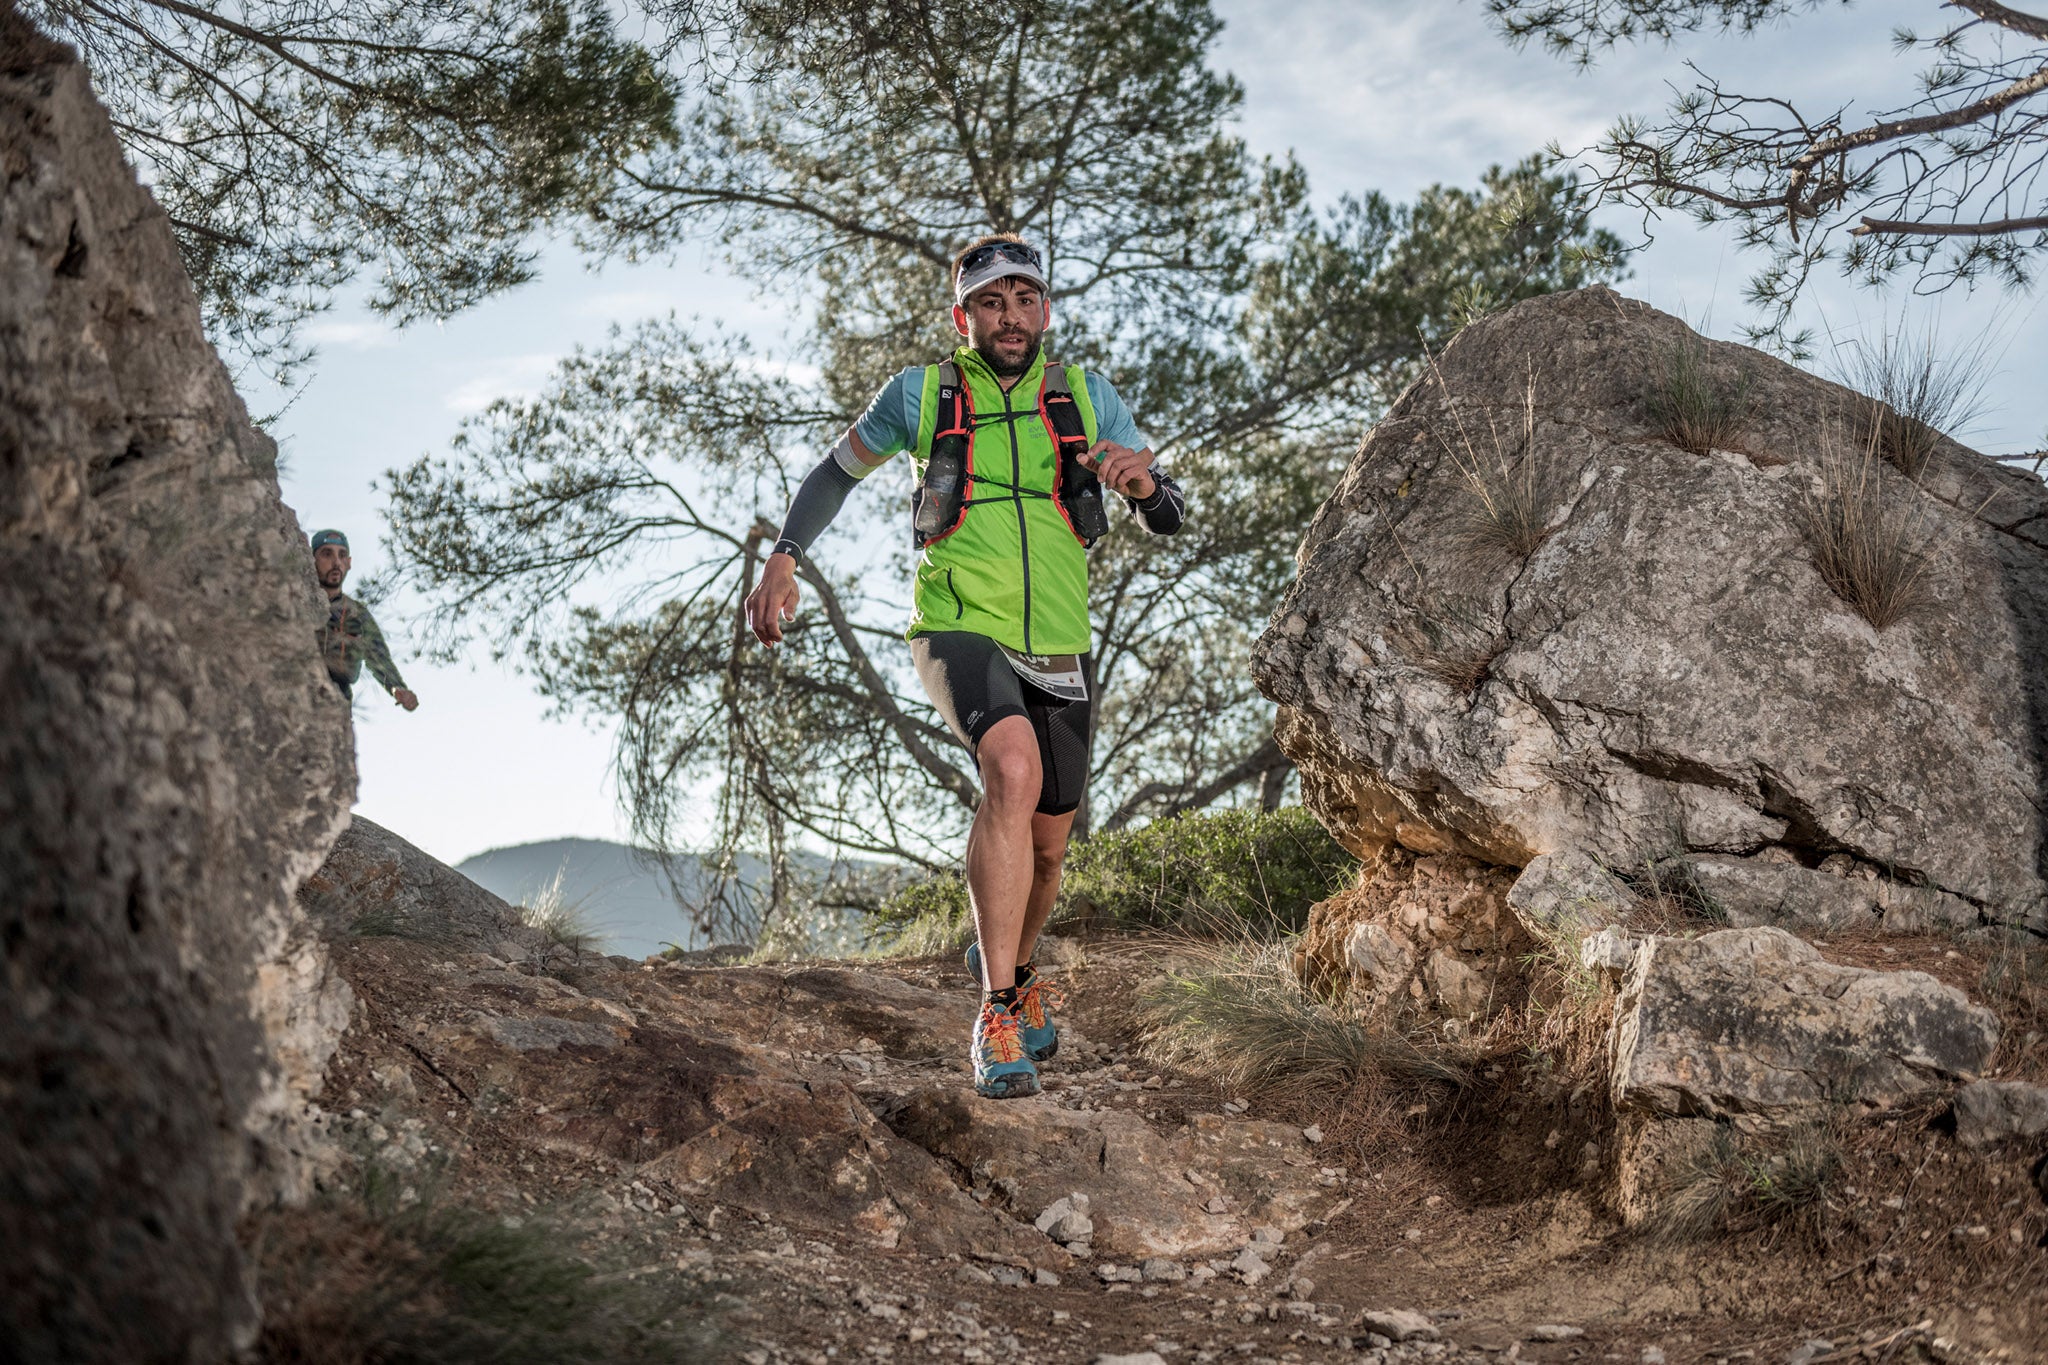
{"x": 620, "y": 893}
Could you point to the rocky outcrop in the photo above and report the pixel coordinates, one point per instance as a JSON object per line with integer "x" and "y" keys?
{"x": 1991, "y": 1112}
{"x": 1428, "y": 935}
{"x": 1665, "y": 672}
{"x": 1754, "y": 1021}
{"x": 172, "y": 763}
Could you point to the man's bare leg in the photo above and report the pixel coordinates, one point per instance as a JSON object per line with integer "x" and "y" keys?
{"x": 1000, "y": 848}
{"x": 1048, "y": 855}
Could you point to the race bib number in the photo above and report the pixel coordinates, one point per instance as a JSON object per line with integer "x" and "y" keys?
{"x": 1057, "y": 674}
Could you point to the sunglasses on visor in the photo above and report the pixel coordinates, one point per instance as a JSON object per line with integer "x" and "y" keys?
{"x": 1007, "y": 251}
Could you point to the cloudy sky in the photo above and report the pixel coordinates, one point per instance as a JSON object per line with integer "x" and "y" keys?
{"x": 1370, "y": 94}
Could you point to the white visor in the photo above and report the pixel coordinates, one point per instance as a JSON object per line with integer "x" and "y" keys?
{"x": 996, "y": 269}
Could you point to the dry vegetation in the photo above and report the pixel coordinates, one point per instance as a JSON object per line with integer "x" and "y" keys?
{"x": 1919, "y": 390}
{"x": 1453, "y": 641}
{"x": 1693, "y": 407}
{"x": 389, "y": 1280}
{"x": 1869, "y": 540}
{"x": 1514, "y": 487}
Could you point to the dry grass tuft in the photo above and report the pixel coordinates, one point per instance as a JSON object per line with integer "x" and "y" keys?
{"x": 372, "y": 1282}
{"x": 1453, "y": 643}
{"x": 1692, "y": 408}
{"x": 1242, "y": 1019}
{"x": 564, "y": 922}
{"x": 1672, "y": 900}
{"x": 1737, "y": 1184}
{"x": 1869, "y": 542}
{"x": 1920, "y": 392}
{"x": 1514, "y": 489}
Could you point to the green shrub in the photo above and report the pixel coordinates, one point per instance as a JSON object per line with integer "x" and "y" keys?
{"x": 1222, "y": 872}
{"x": 1227, "y": 872}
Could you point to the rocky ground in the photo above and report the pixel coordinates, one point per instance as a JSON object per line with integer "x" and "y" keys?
{"x": 798, "y": 1141}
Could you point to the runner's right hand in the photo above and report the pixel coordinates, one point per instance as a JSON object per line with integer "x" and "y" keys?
{"x": 773, "y": 599}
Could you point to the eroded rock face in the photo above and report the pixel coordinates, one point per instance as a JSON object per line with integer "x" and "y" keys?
{"x": 172, "y": 762}
{"x": 1427, "y": 935}
{"x": 1667, "y": 672}
{"x": 1754, "y": 1021}
{"x": 1149, "y": 1194}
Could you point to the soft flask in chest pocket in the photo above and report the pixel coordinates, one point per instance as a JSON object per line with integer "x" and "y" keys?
{"x": 1079, "y": 492}
{"x": 938, "y": 504}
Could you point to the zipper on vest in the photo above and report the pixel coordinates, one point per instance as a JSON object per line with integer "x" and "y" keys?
{"x": 1017, "y": 496}
{"x": 959, "y": 607}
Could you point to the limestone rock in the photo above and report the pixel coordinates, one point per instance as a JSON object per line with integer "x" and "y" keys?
{"x": 1142, "y": 1206}
{"x": 1989, "y": 1112}
{"x": 1567, "y": 894}
{"x": 173, "y": 761}
{"x": 1066, "y": 1219}
{"x": 1666, "y": 672}
{"x": 1425, "y": 934}
{"x": 1755, "y": 1021}
{"x": 1398, "y": 1324}
{"x": 1751, "y": 892}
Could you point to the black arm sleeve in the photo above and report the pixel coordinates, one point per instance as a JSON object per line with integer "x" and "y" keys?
{"x": 823, "y": 493}
{"x": 1165, "y": 510}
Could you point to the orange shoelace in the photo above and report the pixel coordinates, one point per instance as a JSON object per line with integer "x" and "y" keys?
{"x": 1000, "y": 1039}
{"x": 1035, "y": 999}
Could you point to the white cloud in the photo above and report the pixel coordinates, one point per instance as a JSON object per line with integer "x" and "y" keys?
{"x": 515, "y": 376}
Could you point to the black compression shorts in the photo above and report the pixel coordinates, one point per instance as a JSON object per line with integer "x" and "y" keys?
{"x": 971, "y": 682}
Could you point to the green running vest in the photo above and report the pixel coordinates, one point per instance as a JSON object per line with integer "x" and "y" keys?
{"x": 1013, "y": 571}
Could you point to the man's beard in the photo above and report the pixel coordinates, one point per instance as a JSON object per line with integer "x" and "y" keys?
{"x": 1005, "y": 369}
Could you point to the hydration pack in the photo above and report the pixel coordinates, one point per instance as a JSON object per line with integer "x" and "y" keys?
{"x": 940, "y": 501}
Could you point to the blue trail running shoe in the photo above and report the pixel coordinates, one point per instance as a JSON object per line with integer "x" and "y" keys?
{"x": 1036, "y": 999}
{"x": 1002, "y": 1071}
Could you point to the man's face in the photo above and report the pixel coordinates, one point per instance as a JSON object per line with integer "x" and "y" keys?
{"x": 330, "y": 563}
{"x": 1003, "y": 320}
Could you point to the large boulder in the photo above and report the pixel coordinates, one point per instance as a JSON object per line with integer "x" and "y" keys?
{"x": 1666, "y": 672}
{"x": 1755, "y": 1021}
{"x": 172, "y": 762}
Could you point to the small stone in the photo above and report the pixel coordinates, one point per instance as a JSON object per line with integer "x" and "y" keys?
{"x": 1653, "y": 1355}
{"x": 1398, "y": 1324}
{"x": 1312, "y": 1135}
{"x": 1250, "y": 1266}
{"x": 1553, "y": 1331}
{"x": 1271, "y": 1236}
{"x": 1045, "y": 1279}
{"x": 1137, "y": 1358}
{"x": 1106, "y": 1272}
{"x": 1217, "y": 1204}
{"x": 1413, "y": 1234}
{"x": 973, "y": 1274}
{"x": 1809, "y": 1351}
{"x": 1007, "y": 1274}
{"x": 1163, "y": 1271}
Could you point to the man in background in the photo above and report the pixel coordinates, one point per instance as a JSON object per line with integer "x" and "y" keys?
{"x": 350, "y": 638}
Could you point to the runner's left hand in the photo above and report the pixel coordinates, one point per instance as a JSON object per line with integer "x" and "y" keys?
{"x": 1122, "y": 469}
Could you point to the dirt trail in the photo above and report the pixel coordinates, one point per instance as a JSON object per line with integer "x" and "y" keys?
{"x": 801, "y": 1139}
{"x": 799, "y": 1142}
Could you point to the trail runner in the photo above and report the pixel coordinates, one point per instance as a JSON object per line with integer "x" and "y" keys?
{"x": 351, "y": 638}
{"x": 1010, "y": 453}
